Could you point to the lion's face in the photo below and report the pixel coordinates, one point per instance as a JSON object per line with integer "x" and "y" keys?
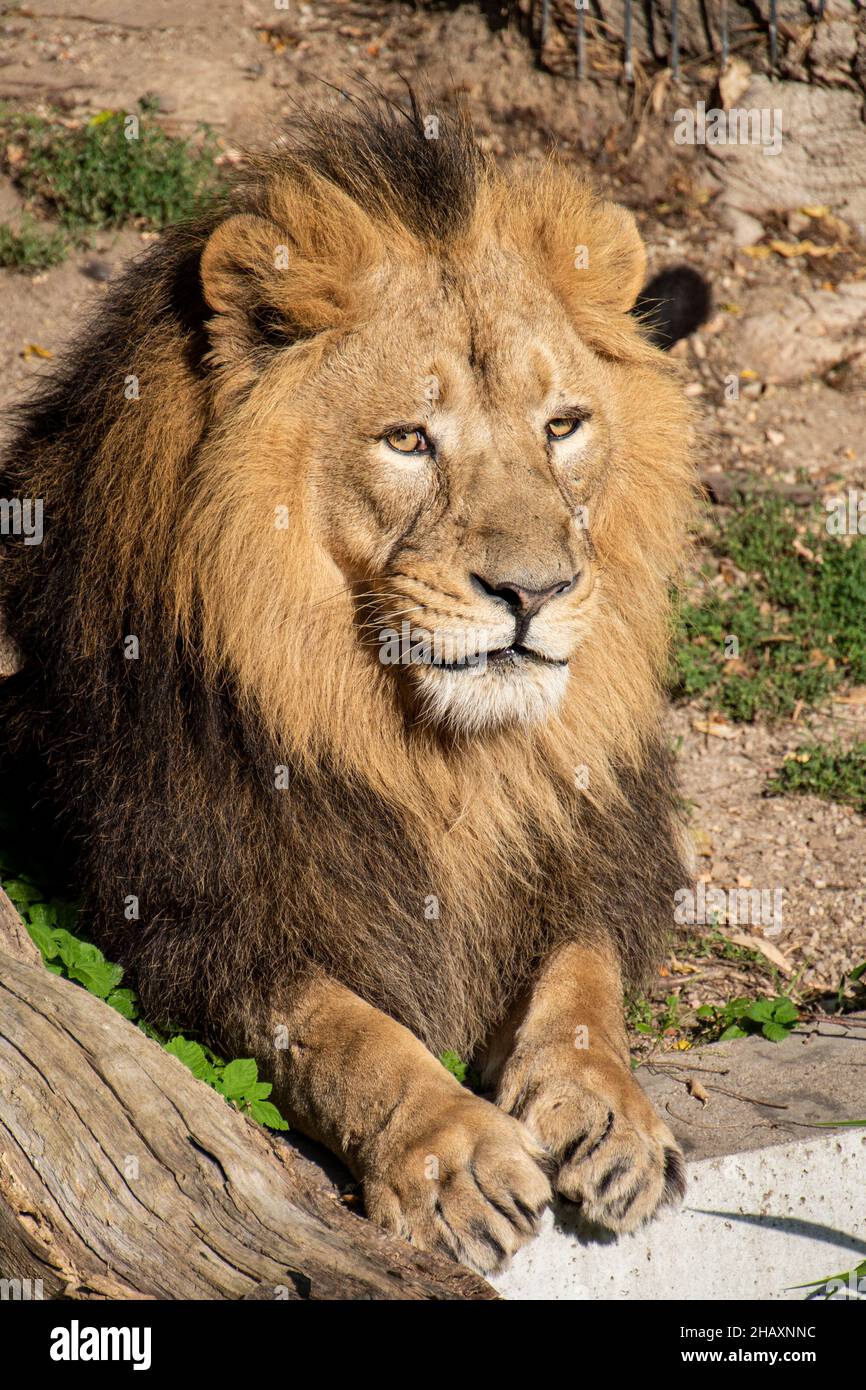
{"x": 482, "y": 459}
{"x": 461, "y": 436}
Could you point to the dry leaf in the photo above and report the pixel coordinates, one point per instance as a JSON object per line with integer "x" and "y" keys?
{"x": 815, "y": 210}
{"x": 714, "y": 727}
{"x": 702, "y": 842}
{"x": 734, "y": 81}
{"x": 766, "y": 948}
{"x": 34, "y": 350}
{"x": 856, "y": 696}
{"x": 682, "y": 967}
{"x": 800, "y": 248}
{"x": 659, "y": 92}
{"x": 696, "y": 1089}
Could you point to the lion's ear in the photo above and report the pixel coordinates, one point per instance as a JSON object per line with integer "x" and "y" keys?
{"x": 270, "y": 286}
{"x": 591, "y": 254}
{"x": 237, "y": 262}
{"x": 615, "y": 258}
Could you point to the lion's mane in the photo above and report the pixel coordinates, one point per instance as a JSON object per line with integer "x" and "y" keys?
{"x": 429, "y": 875}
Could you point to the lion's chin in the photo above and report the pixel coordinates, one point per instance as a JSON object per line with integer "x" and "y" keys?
{"x": 490, "y": 697}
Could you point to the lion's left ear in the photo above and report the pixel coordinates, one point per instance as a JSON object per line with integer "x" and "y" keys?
{"x": 591, "y": 254}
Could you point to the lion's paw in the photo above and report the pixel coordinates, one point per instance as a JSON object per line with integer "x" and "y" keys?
{"x": 614, "y": 1156}
{"x": 473, "y": 1185}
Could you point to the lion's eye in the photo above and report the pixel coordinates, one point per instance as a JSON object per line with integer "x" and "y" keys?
{"x": 408, "y": 441}
{"x": 562, "y": 427}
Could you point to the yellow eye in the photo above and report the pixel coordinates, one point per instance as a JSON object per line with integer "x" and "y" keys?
{"x": 562, "y": 427}
{"x": 408, "y": 441}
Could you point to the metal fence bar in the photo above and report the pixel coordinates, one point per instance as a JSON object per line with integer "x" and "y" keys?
{"x": 629, "y": 65}
{"x": 675, "y": 40}
{"x": 581, "y": 7}
{"x": 581, "y": 42}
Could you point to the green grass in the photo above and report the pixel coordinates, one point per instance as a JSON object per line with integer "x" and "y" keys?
{"x": 799, "y": 622}
{"x": 31, "y": 247}
{"x": 94, "y": 176}
{"x": 668, "y": 1020}
{"x": 54, "y": 925}
{"x": 834, "y": 773}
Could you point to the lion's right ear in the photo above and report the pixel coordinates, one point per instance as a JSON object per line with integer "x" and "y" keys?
{"x": 270, "y": 285}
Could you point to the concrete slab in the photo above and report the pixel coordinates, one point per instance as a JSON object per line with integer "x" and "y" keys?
{"x": 773, "y": 1199}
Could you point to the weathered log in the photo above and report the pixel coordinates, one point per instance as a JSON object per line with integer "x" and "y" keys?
{"x": 122, "y": 1176}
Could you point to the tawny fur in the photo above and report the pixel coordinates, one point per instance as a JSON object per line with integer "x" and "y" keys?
{"x": 424, "y": 868}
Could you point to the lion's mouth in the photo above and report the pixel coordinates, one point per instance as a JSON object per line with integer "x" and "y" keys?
{"x": 514, "y": 655}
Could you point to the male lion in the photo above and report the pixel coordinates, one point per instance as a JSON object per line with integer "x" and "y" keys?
{"x": 342, "y": 655}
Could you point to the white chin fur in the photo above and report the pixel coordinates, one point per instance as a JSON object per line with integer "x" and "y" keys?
{"x": 476, "y": 699}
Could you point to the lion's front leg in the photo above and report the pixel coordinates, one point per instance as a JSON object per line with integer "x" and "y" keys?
{"x": 439, "y": 1166}
{"x": 564, "y": 1071}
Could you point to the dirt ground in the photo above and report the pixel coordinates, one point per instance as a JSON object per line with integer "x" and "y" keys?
{"x": 244, "y": 68}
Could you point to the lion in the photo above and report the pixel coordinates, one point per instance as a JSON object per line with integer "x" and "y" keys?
{"x": 343, "y": 655}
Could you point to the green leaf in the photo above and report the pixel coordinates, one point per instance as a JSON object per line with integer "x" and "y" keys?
{"x": 238, "y": 1077}
{"x": 260, "y": 1091}
{"x": 192, "y": 1055}
{"x": 125, "y": 1001}
{"x": 761, "y": 1011}
{"x": 839, "y": 1124}
{"x": 44, "y": 938}
{"x": 21, "y": 890}
{"x": 733, "y": 1032}
{"x": 86, "y": 964}
{"x": 267, "y": 1114}
{"x": 775, "y": 1032}
{"x": 43, "y": 915}
{"x": 785, "y": 1012}
{"x": 453, "y": 1063}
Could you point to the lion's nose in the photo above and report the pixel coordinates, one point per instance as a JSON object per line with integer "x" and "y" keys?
{"x": 523, "y": 602}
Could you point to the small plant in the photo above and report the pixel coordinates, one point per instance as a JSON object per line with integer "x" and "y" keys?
{"x": 237, "y": 1081}
{"x": 31, "y": 247}
{"x": 654, "y": 1020}
{"x": 52, "y": 925}
{"x": 465, "y": 1074}
{"x": 851, "y": 993}
{"x": 773, "y": 1018}
{"x": 109, "y": 171}
{"x": 852, "y": 1280}
{"x": 794, "y": 606}
{"x": 833, "y": 773}
{"x": 714, "y": 944}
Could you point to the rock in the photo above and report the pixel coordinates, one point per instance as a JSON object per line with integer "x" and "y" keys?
{"x": 98, "y": 270}
{"x": 823, "y": 142}
{"x": 746, "y": 230}
{"x": 797, "y": 338}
